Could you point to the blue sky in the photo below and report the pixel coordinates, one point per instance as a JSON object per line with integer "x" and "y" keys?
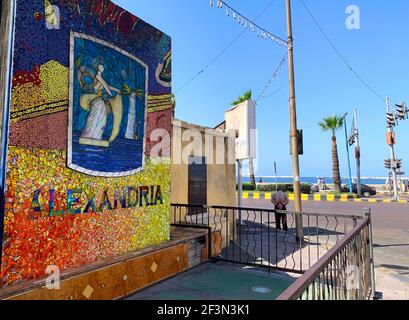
{"x": 324, "y": 85}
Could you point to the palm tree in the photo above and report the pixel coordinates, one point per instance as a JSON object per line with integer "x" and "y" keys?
{"x": 247, "y": 96}
{"x": 332, "y": 124}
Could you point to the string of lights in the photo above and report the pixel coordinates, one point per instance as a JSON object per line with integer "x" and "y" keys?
{"x": 248, "y": 23}
{"x": 223, "y": 51}
{"x": 274, "y": 76}
{"x": 275, "y": 92}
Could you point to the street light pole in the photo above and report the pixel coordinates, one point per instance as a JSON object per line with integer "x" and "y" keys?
{"x": 357, "y": 155}
{"x": 392, "y": 153}
{"x": 347, "y": 146}
{"x": 293, "y": 125}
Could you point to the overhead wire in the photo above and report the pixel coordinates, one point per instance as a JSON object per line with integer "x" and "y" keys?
{"x": 344, "y": 60}
{"x": 224, "y": 50}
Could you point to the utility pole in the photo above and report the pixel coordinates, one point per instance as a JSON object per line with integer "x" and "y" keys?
{"x": 357, "y": 155}
{"x": 392, "y": 153}
{"x": 293, "y": 126}
{"x": 240, "y": 188}
{"x": 347, "y": 146}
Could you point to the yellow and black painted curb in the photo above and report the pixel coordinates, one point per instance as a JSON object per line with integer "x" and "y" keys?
{"x": 320, "y": 198}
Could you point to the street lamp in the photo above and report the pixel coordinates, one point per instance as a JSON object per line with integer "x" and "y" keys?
{"x": 347, "y": 146}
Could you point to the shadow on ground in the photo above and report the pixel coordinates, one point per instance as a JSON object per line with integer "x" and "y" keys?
{"x": 218, "y": 281}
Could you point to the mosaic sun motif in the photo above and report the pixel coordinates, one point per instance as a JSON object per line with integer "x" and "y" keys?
{"x": 107, "y": 108}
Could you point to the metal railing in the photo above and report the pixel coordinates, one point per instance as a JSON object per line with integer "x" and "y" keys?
{"x": 346, "y": 272}
{"x": 253, "y": 236}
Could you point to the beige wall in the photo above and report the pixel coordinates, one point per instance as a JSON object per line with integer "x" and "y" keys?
{"x": 221, "y": 181}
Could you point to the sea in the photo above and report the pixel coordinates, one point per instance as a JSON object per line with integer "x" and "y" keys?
{"x": 313, "y": 180}
{"x": 123, "y": 155}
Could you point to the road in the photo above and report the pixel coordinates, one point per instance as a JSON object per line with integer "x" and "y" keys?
{"x": 391, "y": 239}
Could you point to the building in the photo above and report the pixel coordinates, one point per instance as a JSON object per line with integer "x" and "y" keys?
{"x": 203, "y": 166}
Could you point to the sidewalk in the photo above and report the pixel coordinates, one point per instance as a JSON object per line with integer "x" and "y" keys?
{"x": 380, "y": 198}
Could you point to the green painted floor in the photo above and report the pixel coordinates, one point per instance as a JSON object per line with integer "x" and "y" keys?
{"x": 218, "y": 281}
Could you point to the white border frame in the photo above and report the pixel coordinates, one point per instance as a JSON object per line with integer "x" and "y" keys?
{"x": 70, "y": 164}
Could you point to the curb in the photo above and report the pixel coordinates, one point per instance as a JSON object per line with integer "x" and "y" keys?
{"x": 320, "y": 198}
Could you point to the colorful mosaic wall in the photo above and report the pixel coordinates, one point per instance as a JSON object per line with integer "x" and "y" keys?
{"x": 91, "y": 81}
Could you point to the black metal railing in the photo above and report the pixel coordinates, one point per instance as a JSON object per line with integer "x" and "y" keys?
{"x": 251, "y": 235}
{"x": 344, "y": 273}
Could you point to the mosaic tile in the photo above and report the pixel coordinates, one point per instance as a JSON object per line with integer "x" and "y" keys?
{"x": 60, "y": 215}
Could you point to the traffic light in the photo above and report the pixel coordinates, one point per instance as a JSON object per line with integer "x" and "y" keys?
{"x": 399, "y": 164}
{"x": 391, "y": 119}
{"x": 402, "y": 111}
{"x": 388, "y": 164}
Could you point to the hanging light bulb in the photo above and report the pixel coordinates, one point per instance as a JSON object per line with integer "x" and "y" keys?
{"x": 227, "y": 12}
{"x": 211, "y": 3}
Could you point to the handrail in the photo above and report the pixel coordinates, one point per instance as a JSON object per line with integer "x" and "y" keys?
{"x": 303, "y": 282}
{"x": 268, "y": 210}
{"x": 265, "y": 238}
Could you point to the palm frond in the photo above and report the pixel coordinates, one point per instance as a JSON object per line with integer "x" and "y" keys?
{"x": 246, "y": 96}
{"x": 332, "y": 123}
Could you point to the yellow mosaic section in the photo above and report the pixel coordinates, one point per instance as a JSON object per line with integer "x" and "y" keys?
{"x": 54, "y": 87}
{"x": 159, "y": 102}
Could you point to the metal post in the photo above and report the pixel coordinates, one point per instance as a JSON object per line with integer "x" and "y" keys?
{"x": 357, "y": 155}
{"x": 239, "y": 188}
{"x": 275, "y": 172}
{"x": 371, "y": 255}
{"x": 7, "y": 18}
{"x": 392, "y": 153}
{"x": 293, "y": 125}
{"x": 347, "y": 146}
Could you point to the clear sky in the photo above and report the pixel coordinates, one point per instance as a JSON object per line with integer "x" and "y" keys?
{"x": 324, "y": 86}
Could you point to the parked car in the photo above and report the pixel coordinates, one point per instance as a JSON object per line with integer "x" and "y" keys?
{"x": 366, "y": 190}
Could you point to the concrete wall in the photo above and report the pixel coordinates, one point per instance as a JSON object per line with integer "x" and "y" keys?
{"x": 221, "y": 182}
{"x": 59, "y": 211}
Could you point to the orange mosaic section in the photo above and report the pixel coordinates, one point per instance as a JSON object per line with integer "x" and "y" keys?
{"x": 34, "y": 240}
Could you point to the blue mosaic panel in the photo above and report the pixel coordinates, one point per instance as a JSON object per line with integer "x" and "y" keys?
{"x": 107, "y": 108}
